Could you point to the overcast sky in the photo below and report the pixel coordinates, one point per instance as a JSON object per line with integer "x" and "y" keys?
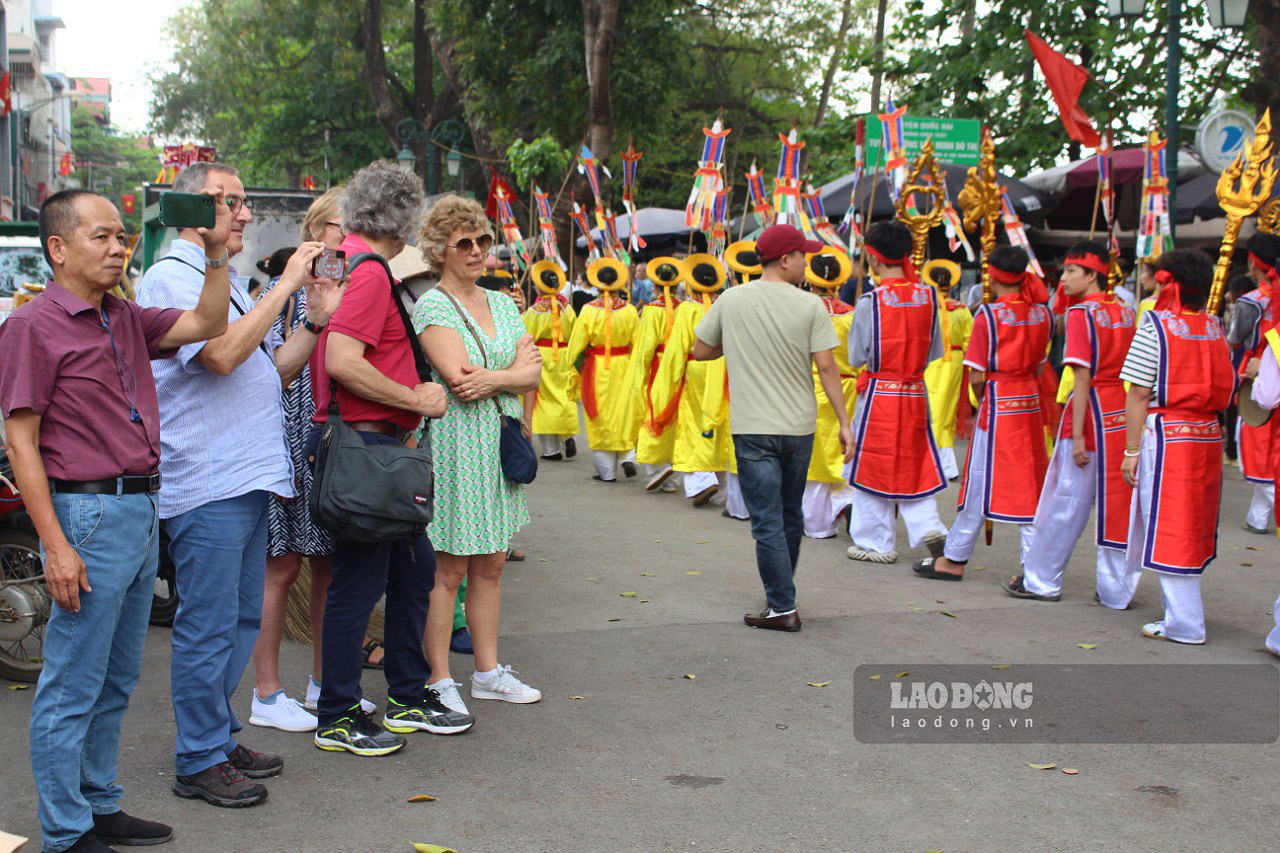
{"x": 118, "y": 40}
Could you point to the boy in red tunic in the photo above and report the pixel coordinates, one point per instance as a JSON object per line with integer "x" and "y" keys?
{"x": 1179, "y": 361}
{"x": 1085, "y": 467}
{"x": 1006, "y": 464}
{"x": 895, "y": 334}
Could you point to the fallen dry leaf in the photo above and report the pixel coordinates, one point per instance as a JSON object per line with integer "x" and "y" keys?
{"x": 873, "y": 677}
{"x": 577, "y": 697}
{"x": 627, "y": 594}
{"x": 690, "y": 676}
{"x": 1041, "y": 766}
{"x": 422, "y": 798}
{"x": 615, "y": 619}
{"x": 1087, "y": 646}
{"x": 19, "y": 686}
{"x": 940, "y": 600}
{"x": 817, "y": 683}
{"x": 648, "y": 575}
{"x": 594, "y": 580}
{"x": 542, "y": 559}
{"x": 657, "y": 542}
{"x": 920, "y": 609}
{"x": 1253, "y": 548}
{"x": 419, "y": 847}
{"x": 1070, "y": 771}
{"x": 1250, "y": 565}
{"x": 979, "y": 568}
{"x": 902, "y": 675}
{"x": 704, "y": 541}
{"x": 945, "y": 613}
{"x": 1001, "y": 666}
{"x": 645, "y": 600}
{"x": 693, "y": 573}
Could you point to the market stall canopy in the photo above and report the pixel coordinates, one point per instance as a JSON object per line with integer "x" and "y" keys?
{"x": 1198, "y": 199}
{"x": 1126, "y": 168}
{"x": 655, "y": 222}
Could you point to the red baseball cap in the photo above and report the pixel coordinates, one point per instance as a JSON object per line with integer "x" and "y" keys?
{"x": 778, "y": 240}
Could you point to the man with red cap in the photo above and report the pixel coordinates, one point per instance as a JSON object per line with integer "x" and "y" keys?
{"x": 1179, "y": 360}
{"x": 896, "y": 462}
{"x": 1007, "y": 460}
{"x": 771, "y": 334}
{"x": 1085, "y": 468}
{"x": 1254, "y": 314}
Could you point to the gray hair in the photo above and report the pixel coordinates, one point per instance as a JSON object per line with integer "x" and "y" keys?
{"x": 194, "y": 178}
{"x": 382, "y": 200}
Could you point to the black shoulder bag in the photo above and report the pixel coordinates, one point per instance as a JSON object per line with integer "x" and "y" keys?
{"x": 519, "y": 462}
{"x": 372, "y": 492}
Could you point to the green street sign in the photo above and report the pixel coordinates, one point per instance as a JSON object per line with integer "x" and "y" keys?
{"x": 955, "y": 140}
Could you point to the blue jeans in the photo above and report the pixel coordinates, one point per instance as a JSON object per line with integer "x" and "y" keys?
{"x": 92, "y": 660}
{"x": 220, "y": 551}
{"x": 362, "y": 571}
{"x": 772, "y": 470}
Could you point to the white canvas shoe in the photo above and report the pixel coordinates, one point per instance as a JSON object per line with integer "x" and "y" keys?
{"x": 503, "y": 685}
{"x": 449, "y": 697}
{"x": 280, "y": 713}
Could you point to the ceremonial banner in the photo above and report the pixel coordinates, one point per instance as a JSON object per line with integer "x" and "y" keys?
{"x": 1066, "y": 80}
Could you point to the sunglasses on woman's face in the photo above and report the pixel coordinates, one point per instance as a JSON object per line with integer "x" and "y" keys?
{"x": 464, "y": 246}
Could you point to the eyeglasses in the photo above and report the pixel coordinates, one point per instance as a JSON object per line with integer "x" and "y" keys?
{"x": 235, "y": 202}
{"x": 464, "y": 246}
{"x": 337, "y": 225}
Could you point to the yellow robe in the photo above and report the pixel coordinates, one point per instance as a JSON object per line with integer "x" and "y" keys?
{"x": 826, "y": 465}
{"x": 702, "y": 441}
{"x": 612, "y": 424}
{"x": 943, "y": 376}
{"x": 652, "y": 448}
{"x": 555, "y": 408}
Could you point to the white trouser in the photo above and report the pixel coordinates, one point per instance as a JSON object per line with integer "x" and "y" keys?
{"x": 696, "y": 482}
{"x": 969, "y": 521}
{"x": 1262, "y": 506}
{"x": 873, "y": 527}
{"x": 950, "y": 469}
{"x": 550, "y": 445}
{"x": 1273, "y": 639}
{"x": 1183, "y": 608}
{"x": 669, "y": 484}
{"x": 1065, "y": 503}
{"x": 822, "y": 503}
{"x": 733, "y": 502}
{"x": 607, "y": 462}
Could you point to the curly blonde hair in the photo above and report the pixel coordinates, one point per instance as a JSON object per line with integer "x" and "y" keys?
{"x": 449, "y": 214}
{"x": 323, "y": 209}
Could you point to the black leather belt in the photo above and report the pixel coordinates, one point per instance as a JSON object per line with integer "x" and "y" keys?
{"x": 132, "y": 485}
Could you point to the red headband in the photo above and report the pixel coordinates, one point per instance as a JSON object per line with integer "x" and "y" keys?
{"x": 908, "y": 268}
{"x": 1261, "y": 264}
{"x": 1031, "y": 285}
{"x": 1090, "y": 261}
{"x": 1170, "y": 298}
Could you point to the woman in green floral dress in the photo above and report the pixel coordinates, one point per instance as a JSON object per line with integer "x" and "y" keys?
{"x": 480, "y": 352}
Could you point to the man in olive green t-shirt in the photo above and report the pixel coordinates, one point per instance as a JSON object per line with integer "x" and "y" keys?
{"x": 770, "y": 332}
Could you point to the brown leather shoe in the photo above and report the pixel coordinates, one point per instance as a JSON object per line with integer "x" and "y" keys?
{"x": 784, "y": 622}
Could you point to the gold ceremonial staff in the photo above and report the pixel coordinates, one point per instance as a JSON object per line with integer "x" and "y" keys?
{"x": 1242, "y": 189}
{"x": 980, "y": 200}
{"x": 920, "y": 222}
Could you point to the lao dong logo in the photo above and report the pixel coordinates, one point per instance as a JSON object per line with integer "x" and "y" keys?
{"x": 960, "y": 695}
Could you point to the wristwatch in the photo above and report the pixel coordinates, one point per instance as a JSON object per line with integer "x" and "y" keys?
{"x": 217, "y": 263}
{"x": 311, "y": 327}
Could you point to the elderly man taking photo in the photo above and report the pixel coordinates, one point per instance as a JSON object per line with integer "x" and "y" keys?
{"x": 83, "y": 431}
{"x": 217, "y": 483}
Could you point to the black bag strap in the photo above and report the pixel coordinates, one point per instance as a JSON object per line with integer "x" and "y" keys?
{"x": 419, "y": 357}
{"x": 262, "y": 345}
{"x": 472, "y": 329}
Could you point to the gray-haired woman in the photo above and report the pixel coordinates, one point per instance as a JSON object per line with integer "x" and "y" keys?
{"x": 367, "y": 352}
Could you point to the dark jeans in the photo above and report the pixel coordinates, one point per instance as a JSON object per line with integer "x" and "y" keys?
{"x": 772, "y": 471}
{"x": 362, "y": 571}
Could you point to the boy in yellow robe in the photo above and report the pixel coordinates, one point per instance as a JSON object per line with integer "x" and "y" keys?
{"x": 827, "y": 492}
{"x": 699, "y": 389}
{"x": 552, "y": 410}
{"x": 944, "y": 377}
{"x": 600, "y": 347}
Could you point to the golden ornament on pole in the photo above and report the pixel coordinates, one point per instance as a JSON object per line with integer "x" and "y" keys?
{"x": 1269, "y": 217}
{"x": 1242, "y": 189}
{"x": 920, "y": 222}
{"x": 979, "y": 200}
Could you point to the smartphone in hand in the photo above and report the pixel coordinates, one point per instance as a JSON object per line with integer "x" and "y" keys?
{"x": 331, "y": 264}
{"x": 187, "y": 210}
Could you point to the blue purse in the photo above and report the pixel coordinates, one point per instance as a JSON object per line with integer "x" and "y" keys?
{"x": 519, "y": 461}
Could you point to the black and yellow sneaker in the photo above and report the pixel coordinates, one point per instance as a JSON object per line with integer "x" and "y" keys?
{"x": 357, "y": 732}
{"x": 428, "y": 714}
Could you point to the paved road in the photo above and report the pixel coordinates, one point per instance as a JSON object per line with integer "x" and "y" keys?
{"x": 746, "y": 756}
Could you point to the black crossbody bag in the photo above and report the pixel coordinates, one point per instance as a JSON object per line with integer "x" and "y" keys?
{"x": 372, "y": 492}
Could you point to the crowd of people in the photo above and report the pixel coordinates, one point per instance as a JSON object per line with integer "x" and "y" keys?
{"x": 781, "y": 381}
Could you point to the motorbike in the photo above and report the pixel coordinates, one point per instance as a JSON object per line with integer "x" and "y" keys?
{"x": 25, "y": 602}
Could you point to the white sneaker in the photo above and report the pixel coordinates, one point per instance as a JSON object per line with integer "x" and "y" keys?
{"x": 505, "y": 686}
{"x": 856, "y": 553}
{"x": 282, "y": 713}
{"x": 449, "y": 697}
{"x": 312, "y": 701}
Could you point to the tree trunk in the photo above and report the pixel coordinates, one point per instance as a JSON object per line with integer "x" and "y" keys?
{"x": 1264, "y": 91}
{"x": 600, "y": 24}
{"x": 879, "y": 60}
{"x": 374, "y": 72}
{"x": 423, "y": 101}
{"x": 837, "y": 53}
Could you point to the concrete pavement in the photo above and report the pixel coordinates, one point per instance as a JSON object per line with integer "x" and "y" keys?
{"x": 746, "y": 756}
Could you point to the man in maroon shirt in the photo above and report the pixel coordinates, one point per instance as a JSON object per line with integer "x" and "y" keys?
{"x": 83, "y": 428}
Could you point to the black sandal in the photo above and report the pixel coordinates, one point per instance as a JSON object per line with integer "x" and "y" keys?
{"x": 371, "y": 647}
{"x": 924, "y": 569}
{"x": 1015, "y": 587}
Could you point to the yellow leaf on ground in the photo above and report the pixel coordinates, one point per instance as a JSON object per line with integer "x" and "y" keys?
{"x": 422, "y": 798}
{"x": 542, "y": 559}
{"x": 1041, "y": 766}
{"x": 902, "y": 675}
{"x": 693, "y": 573}
{"x": 817, "y": 683}
{"x": 657, "y": 542}
{"x": 594, "y": 580}
{"x": 979, "y": 568}
{"x": 577, "y": 697}
{"x": 1070, "y": 771}
{"x": 19, "y": 686}
{"x": 627, "y": 594}
{"x": 690, "y": 676}
{"x": 648, "y": 575}
{"x": 873, "y": 677}
{"x": 419, "y": 847}
{"x": 1247, "y": 565}
{"x": 1087, "y": 646}
{"x": 921, "y": 609}
{"x": 1253, "y": 548}
{"x": 704, "y": 541}
{"x": 1001, "y": 666}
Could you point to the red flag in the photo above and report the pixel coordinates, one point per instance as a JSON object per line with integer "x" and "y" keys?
{"x": 5, "y": 94}
{"x": 66, "y": 167}
{"x": 128, "y": 202}
{"x": 491, "y": 202}
{"x": 308, "y": 182}
{"x": 1065, "y": 80}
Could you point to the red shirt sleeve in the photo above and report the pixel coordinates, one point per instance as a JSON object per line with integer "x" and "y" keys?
{"x": 362, "y": 314}
{"x": 1078, "y": 350}
{"x": 979, "y": 342}
{"x": 28, "y": 370}
{"x": 156, "y": 323}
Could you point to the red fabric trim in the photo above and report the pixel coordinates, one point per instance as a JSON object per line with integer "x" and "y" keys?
{"x": 1090, "y": 261}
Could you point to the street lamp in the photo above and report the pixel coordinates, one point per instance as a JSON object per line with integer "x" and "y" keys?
{"x": 1228, "y": 13}
{"x": 1124, "y": 8}
{"x": 407, "y": 130}
{"x": 449, "y": 133}
{"x": 453, "y": 161}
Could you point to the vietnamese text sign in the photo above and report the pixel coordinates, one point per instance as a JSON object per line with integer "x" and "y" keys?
{"x": 955, "y": 140}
